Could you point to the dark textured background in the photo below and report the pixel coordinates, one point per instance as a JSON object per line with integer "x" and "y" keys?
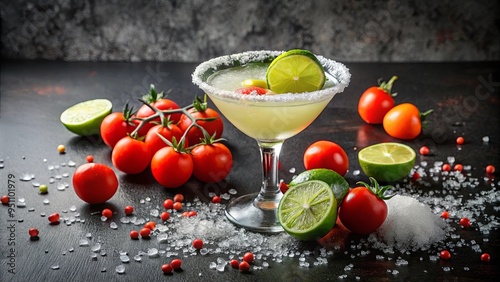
{"x": 195, "y": 30}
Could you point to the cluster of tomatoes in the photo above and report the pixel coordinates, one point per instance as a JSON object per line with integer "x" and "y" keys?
{"x": 376, "y": 106}
{"x": 174, "y": 142}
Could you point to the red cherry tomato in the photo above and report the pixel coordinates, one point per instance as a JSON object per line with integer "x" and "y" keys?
{"x": 214, "y": 126}
{"x": 33, "y": 232}
{"x": 234, "y": 263}
{"x": 107, "y": 213}
{"x": 485, "y": 257}
{"x": 445, "y": 255}
{"x": 244, "y": 266}
{"x": 178, "y": 198}
{"x": 130, "y": 155}
{"x": 212, "y": 162}
{"x": 326, "y": 154}
{"x": 363, "y": 210}
{"x": 490, "y": 169}
{"x": 54, "y": 218}
{"x": 376, "y": 101}
{"x": 5, "y": 200}
{"x": 176, "y": 263}
{"x": 145, "y": 232}
{"x": 168, "y": 204}
{"x": 155, "y": 143}
{"x": 129, "y": 210}
{"x": 114, "y": 127}
{"x": 166, "y": 268}
{"x": 164, "y": 216}
{"x": 248, "y": 257}
{"x": 157, "y": 100}
{"x": 404, "y": 121}
{"x": 197, "y": 244}
{"x": 171, "y": 168}
{"x": 94, "y": 183}
{"x": 134, "y": 234}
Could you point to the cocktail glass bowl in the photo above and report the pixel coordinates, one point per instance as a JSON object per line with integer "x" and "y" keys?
{"x": 270, "y": 119}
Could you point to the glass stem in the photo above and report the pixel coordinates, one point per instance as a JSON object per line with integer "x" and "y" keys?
{"x": 270, "y": 194}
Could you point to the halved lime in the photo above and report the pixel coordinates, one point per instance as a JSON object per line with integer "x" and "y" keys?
{"x": 85, "y": 118}
{"x": 387, "y": 162}
{"x": 295, "y": 71}
{"x": 308, "y": 210}
{"x": 339, "y": 185}
{"x": 255, "y": 82}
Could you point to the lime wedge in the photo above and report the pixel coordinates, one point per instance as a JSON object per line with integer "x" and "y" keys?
{"x": 295, "y": 71}
{"x": 337, "y": 183}
{"x": 387, "y": 162}
{"x": 85, "y": 118}
{"x": 308, "y": 210}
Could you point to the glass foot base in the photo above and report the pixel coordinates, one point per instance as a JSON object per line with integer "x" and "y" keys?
{"x": 243, "y": 211}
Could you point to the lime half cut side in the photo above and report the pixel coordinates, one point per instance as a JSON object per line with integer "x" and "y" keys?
{"x": 85, "y": 118}
{"x": 295, "y": 71}
{"x": 387, "y": 162}
{"x": 308, "y": 210}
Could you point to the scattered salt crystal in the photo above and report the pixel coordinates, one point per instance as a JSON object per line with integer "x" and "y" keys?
{"x": 212, "y": 265}
{"x": 46, "y": 201}
{"x": 292, "y": 170}
{"x": 232, "y": 191}
{"x": 60, "y": 187}
{"x": 93, "y": 256}
{"x": 125, "y": 220}
{"x": 446, "y": 269}
{"x": 113, "y": 225}
{"x": 124, "y": 258}
{"x": 27, "y": 177}
{"x": 88, "y": 235}
{"x": 83, "y": 242}
{"x": 154, "y": 213}
{"x": 103, "y": 253}
{"x": 96, "y": 248}
{"x": 225, "y": 196}
{"x": 120, "y": 269}
{"x": 153, "y": 253}
{"x": 486, "y": 139}
{"x": 162, "y": 238}
{"x": 54, "y": 267}
{"x": 35, "y": 184}
{"x": 103, "y": 218}
{"x": 71, "y": 163}
{"x": 137, "y": 258}
{"x": 356, "y": 172}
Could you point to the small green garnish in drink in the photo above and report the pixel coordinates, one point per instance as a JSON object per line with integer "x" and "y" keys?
{"x": 308, "y": 210}
{"x": 387, "y": 162}
{"x": 295, "y": 71}
{"x": 338, "y": 184}
{"x": 85, "y": 118}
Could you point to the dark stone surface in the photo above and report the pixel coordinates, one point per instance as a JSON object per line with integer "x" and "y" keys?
{"x": 464, "y": 96}
{"x": 194, "y": 30}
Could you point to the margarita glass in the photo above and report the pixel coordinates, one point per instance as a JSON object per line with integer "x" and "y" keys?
{"x": 270, "y": 119}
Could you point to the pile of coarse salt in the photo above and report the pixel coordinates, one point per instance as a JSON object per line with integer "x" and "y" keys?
{"x": 410, "y": 226}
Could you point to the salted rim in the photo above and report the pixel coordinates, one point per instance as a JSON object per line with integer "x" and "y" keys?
{"x": 335, "y": 71}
